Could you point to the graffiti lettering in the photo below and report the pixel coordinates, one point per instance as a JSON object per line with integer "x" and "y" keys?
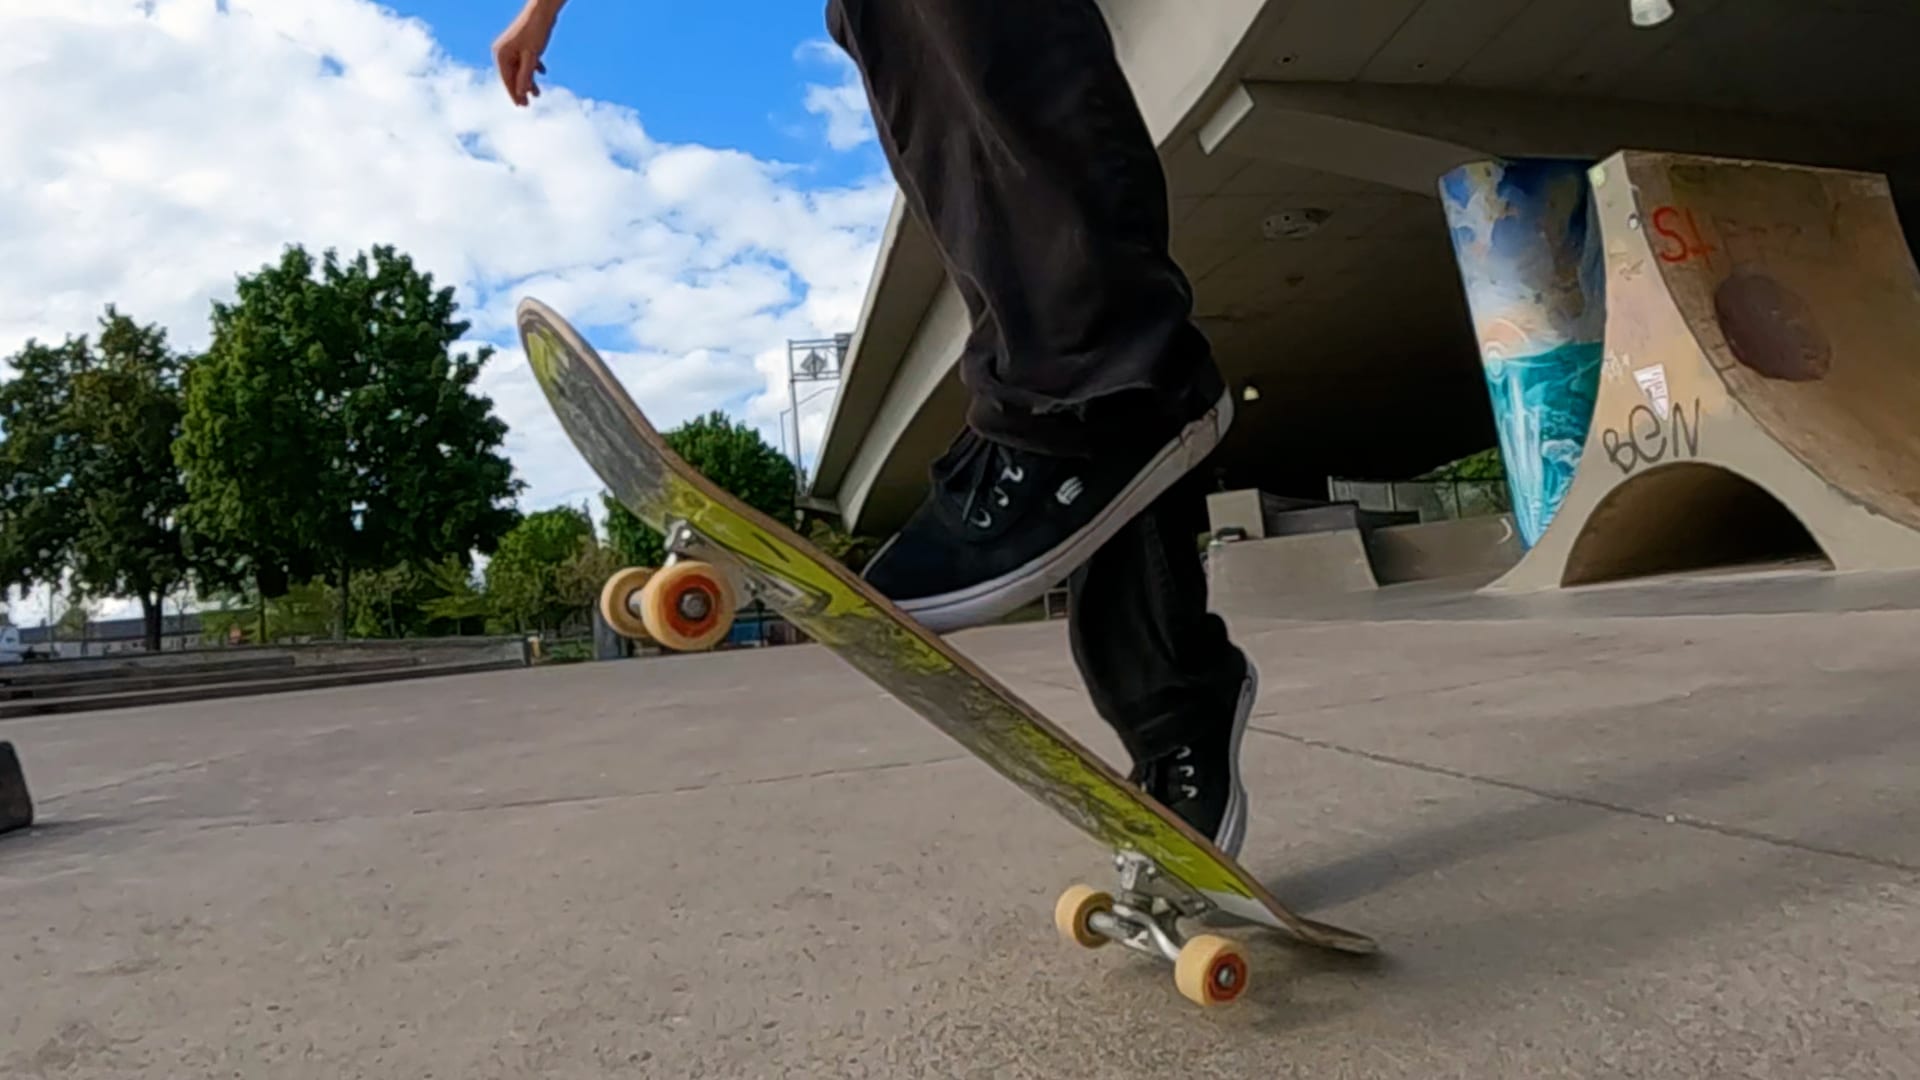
{"x": 1682, "y": 236}
{"x": 1648, "y": 440}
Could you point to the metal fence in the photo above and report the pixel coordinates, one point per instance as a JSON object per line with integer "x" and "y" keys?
{"x": 1435, "y": 500}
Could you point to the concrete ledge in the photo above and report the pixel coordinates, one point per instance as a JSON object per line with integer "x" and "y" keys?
{"x": 16, "y": 806}
{"x": 1257, "y": 577}
{"x": 19, "y": 679}
{"x": 1260, "y": 515}
{"x": 356, "y": 676}
{"x": 423, "y": 650}
{"x": 1444, "y": 549}
{"x": 167, "y": 678}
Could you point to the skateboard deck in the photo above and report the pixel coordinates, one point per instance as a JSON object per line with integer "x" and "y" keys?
{"x": 840, "y": 611}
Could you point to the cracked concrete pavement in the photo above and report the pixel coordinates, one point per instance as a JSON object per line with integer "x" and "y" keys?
{"x": 1629, "y": 847}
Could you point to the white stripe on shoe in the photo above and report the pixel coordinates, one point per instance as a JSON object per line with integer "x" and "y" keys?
{"x": 1233, "y": 823}
{"x": 987, "y": 601}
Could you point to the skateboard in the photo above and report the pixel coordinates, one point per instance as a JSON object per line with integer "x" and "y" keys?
{"x": 720, "y": 549}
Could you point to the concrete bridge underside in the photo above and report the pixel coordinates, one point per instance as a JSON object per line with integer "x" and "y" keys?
{"x": 1303, "y": 141}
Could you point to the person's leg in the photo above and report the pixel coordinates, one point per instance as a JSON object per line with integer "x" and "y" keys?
{"x": 1159, "y": 665}
{"x": 1016, "y": 140}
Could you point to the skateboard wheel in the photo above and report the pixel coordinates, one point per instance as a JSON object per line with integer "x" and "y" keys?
{"x": 617, "y": 602}
{"x": 1210, "y": 971}
{"x": 1074, "y": 909}
{"x": 687, "y": 606}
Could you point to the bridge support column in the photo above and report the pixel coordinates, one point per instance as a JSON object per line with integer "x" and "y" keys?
{"x": 1528, "y": 246}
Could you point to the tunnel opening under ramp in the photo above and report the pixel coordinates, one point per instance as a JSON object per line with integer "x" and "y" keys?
{"x": 1763, "y": 324}
{"x": 1682, "y": 517}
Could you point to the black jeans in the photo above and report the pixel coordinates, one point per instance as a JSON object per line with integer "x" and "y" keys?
{"x": 1016, "y": 141}
{"x": 1154, "y": 658}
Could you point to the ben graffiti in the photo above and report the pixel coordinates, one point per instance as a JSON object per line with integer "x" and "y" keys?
{"x": 1648, "y": 440}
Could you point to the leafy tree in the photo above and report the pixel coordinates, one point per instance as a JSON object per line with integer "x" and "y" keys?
{"x": 456, "y": 595}
{"x": 525, "y": 576}
{"x": 91, "y": 483}
{"x": 126, "y": 412}
{"x": 77, "y": 619}
{"x": 379, "y": 602}
{"x": 1485, "y": 465}
{"x": 393, "y": 602}
{"x": 304, "y": 610}
{"x": 584, "y": 573}
{"x": 1475, "y": 479}
{"x": 734, "y": 457}
{"x": 38, "y": 502}
{"x": 632, "y": 541}
{"x": 330, "y": 428}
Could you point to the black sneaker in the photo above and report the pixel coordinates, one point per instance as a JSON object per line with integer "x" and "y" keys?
{"x": 1200, "y": 781}
{"x": 1002, "y": 526}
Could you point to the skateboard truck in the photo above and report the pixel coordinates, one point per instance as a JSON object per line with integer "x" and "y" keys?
{"x": 686, "y": 605}
{"x": 1144, "y": 917}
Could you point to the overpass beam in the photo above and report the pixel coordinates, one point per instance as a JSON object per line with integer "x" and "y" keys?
{"x": 1407, "y": 137}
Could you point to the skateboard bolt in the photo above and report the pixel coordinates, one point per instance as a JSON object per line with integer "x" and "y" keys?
{"x": 694, "y": 605}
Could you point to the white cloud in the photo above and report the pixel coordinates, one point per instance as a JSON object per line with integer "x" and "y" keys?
{"x": 167, "y": 145}
{"x": 842, "y": 105}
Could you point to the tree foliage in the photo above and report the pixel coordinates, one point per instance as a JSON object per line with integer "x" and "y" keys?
{"x": 526, "y": 578}
{"x": 403, "y": 601}
{"x": 733, "y": 456}
{"x": 327, "y": 460}
{"x": 330, "y": 428}
{"x": 1485, "y": 465}
{"x": 37, "y": 499}
{"x": 306, "y": 609}
{"x": 127, "y": 411}
{"x": 90, "y": 484}
{"x": 456, "y": 595}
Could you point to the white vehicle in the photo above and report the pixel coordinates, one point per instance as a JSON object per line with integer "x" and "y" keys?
{"x": 11, "y": 651}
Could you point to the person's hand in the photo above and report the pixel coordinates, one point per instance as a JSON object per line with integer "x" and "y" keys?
{"x": 517, "y": 50}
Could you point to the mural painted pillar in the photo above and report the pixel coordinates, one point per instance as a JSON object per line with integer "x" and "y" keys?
{"x": 1528, "y": 246}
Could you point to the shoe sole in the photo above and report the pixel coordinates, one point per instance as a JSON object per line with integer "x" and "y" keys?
{"x": 988, "y": 601}
{"x": 1233, "y": 823}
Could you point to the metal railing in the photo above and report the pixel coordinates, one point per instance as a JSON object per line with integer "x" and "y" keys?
{"x": 1434, "y": 500}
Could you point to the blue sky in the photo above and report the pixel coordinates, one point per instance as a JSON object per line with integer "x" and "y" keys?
{"x": 724, "y": 73}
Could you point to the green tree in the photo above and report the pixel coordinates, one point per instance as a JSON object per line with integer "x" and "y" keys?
{"x": 734, "y": 457}
{"x": 584, "y": 573}
{"x": 455, "y": 595}
{"x": 630, "y": 539}
{"x": 525, "y": 580}
{"x": 304, "y": 610}
{"x": 392, "y": 602}
{"x": 79, "y": 617}
{"x": 1485, "y": 465}
{"x": 127, "y": 411}
{"x": 91, "y": 482}
{"x": 38, "y": 502}
{"x": 330, "y": 428}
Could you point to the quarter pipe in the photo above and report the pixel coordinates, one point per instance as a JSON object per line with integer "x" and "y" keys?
{"x": 1760, "y": 383}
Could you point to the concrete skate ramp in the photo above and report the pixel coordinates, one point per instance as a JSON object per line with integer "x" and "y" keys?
{"x": 1760, "y": 393}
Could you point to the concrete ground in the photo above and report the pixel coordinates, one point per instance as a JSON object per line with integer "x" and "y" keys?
{"x": 1598, "y": 847}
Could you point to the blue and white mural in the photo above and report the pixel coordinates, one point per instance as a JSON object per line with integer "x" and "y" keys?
{"x": 1528, "y": 246}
